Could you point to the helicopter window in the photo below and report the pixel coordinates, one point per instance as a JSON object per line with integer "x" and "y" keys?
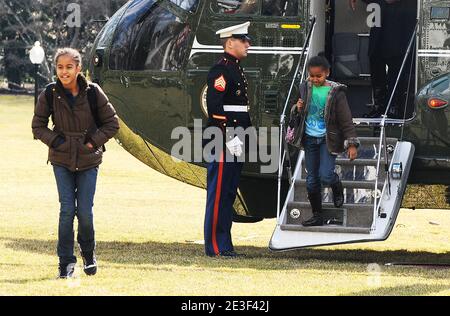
{"x": 280, "y": 7}
{"x": 238, "y": 7}
{"x": 128, "y": 25}
{"x": 108, "y": 31}
{"x": 440, "y": 13}
{"x": 188, "y": 5}
{"x": 156, "y": 40}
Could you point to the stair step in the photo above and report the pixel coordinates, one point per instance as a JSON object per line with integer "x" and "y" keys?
{"x": 349, "y": 215}
{"x": 327, "y": 205}
{"x": 326, "y": 229}
{"x": 356, "y": 173}
{"x": 358, "y": 162}
{"x": 369, "y": 185}
{"x": 376, "y": 140}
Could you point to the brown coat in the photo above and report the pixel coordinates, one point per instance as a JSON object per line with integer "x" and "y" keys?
{"x": 338, "y": 118}
{"x": 76, "y": 125}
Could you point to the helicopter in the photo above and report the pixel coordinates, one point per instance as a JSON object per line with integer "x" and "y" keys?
{"x": 152, "y": 58}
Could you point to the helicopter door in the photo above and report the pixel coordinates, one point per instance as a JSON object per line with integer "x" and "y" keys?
{"x": 147, "y": 55}
{"x": 374, "y": 186}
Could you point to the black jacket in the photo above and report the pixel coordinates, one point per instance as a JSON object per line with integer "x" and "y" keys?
{"x": 227, "y": 85}
{"x": 397, "y": 24}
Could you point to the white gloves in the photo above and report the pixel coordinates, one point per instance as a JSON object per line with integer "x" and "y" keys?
{"x": 235, "y": 146}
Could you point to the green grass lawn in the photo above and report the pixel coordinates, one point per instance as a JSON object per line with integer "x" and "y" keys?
{"x": 148, "y": 228}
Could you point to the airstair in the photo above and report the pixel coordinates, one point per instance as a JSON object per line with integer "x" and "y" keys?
{"x": 374, "y": 185}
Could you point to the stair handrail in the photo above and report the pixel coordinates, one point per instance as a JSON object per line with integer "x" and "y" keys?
{"x": 282, "y": 142}
{"x": 382, "y": 141}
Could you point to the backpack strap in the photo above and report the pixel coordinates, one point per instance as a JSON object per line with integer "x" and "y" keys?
{"x": 93, "y": 104}
{"x": 303, "y": 90}
{"x": 49, "y": 89}
{"x": 92, "y": 99}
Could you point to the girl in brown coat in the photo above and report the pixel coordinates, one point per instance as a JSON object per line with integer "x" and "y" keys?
{"x": 75, "y": 152}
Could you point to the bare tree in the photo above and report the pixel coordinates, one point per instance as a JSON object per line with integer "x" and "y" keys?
{"x": 22, "y": 22}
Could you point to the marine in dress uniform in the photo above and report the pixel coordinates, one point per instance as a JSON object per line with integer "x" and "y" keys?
{"x": 228, "y": 105}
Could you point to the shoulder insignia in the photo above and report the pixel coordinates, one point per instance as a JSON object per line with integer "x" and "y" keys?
{"x": 220, "y": 84}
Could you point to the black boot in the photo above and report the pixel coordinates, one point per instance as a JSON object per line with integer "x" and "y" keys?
{"x": 316, "y": 204}
{"x": 338, "y": 194}
{"x": 395, "y": 113}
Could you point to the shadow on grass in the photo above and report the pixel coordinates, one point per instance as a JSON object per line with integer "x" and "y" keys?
{"x": 415, "y": 289}
{"x": 259, "y": 258}
{"x": 26, "y": 281}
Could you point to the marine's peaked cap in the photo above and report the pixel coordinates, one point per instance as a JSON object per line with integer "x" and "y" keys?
{"x": 240, "y": 30}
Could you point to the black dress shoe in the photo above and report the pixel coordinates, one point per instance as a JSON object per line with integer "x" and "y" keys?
{"x": 316, "y": 220}
{"x": 375, "y": 113}
{"x": 230, "y": 254}
{"x": 394, "y": 113}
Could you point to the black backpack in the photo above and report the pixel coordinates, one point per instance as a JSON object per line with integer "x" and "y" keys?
{"x": 92, "y": 100}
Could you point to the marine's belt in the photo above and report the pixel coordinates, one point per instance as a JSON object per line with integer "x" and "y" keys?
{"x": 236, "y": 108}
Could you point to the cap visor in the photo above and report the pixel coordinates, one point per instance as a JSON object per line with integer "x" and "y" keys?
{"x": 242, "y": 36}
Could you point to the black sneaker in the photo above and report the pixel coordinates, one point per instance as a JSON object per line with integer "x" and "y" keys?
{"x": 89, "y": 263}
{"x": 66, "y": 270}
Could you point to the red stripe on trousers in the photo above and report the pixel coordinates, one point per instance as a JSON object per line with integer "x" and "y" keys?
{"x": 216, "y": 205}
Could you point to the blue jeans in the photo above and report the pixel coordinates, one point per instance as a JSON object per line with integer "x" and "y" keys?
{"x": 320, "y": 164}
{"x": 76, "y": 197}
